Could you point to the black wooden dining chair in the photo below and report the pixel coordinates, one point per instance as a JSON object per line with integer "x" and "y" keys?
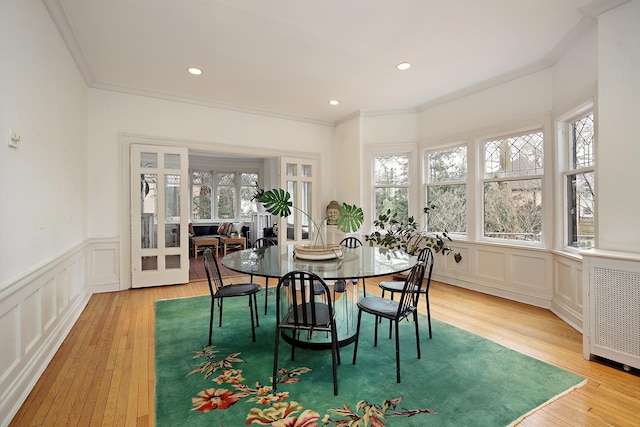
{"x": 261, "y": 244}
{"x": 395, "y": 311}
{"x": 298, "y": 310}
{"x": 219, "y": 291}
{"x": 426, "y": 256}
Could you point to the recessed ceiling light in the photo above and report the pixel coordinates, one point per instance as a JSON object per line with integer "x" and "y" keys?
{"x": 195, "y": 71}
{"x": 334, "y": 102}
{"x": 403, "y": 66}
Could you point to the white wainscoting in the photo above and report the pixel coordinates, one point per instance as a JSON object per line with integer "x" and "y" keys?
{"x": 567, "y": 302}
{"x": 102, "y": 265}
{"x": 518, "y": 274}
{"x": 39, "y": 308}
{"x": 37, "y": 311}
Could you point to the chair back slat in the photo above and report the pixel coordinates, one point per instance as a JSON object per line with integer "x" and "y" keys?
{"x": 409, "y": 296}
{"x": 351, "y": 242}
{"x": 213, "y": 272}
{"x": 303, "y": 301}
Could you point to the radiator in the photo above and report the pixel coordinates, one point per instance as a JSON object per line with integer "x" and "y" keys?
{"x": 612, "y": 306}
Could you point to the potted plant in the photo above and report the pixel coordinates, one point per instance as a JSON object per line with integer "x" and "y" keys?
{"x": 401, "y": 233}
{"x": 278, "y": 202}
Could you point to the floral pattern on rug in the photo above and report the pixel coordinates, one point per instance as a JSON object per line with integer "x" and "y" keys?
{"x": 277, "y": 411}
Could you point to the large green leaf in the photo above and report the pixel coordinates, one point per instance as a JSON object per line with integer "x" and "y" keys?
{"x": 276, "y": 202}
{"x": 351, "y": 218}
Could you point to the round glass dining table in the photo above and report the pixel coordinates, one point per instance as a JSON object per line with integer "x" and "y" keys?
{"x": 343, "y": 274}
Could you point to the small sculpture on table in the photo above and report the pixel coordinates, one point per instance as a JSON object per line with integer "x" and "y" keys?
{"x": 333, "y": 212}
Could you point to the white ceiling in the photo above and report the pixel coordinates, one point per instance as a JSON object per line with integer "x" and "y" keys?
{"x": 290, "y": 57}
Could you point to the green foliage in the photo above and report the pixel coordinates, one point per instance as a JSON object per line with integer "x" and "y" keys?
{"x": 277, "y": 201}
{"x": 397, "y": 232}
{"x": 351, "y": 217}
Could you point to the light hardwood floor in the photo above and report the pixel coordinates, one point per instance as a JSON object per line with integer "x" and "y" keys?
{"x": 103, "y": 374}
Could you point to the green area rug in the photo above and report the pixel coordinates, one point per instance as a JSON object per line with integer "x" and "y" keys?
{"x": 461, "y": 379}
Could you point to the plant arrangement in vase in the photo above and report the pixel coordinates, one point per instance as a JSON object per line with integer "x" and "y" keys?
{"x": 278, "y": 202}
{"x": 404, "y": 234}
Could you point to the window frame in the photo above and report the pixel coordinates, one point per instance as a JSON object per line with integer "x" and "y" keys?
{"x": 483, "y": 180}
{"x": 214, "y": 171}
{"x": 407, "y": 186}
{"x": 566, "y": 170}
{"x": 370, "y": 152}
{"x": 426, "y": 184}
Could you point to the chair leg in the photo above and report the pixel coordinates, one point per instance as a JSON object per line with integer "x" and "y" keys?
{"x": 211, "y": 320}
{"x": 390, "y": 321}
{"x": 266, "y": 293}
{"x": 428, "y": 315}
{"x": 251, "y": 309}
{"x": 397, "y": 352}
{"x": 355, "y": 345}
{"x": 375, "y": 334}
{"x": 220, "y": 304}
{"x": 274, "y": 379}
{"x": 415, "y": 321}
{"x": 255, "y": 310}
{"x": 295, "y": 335}
{"x": 335, "y": 356}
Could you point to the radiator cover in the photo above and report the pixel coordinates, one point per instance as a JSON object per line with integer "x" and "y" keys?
{"x": 612, "y": 306}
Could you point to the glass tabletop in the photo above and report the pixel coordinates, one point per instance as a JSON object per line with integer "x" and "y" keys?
{"x": 362, "y": 262}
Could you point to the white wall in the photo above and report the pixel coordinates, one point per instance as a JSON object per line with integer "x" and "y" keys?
{"x": 42, "y": 182}
{"x": 43, "y": 220}
{"x": 510, "y": 102}
{"x": 347, "y": 162}
{"x": 576, "y": 73}
{"x": 619, "y": 136}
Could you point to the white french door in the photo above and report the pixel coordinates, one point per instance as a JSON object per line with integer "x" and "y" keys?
{"x": 159, "y": 215}
{"x": 300, "y": 178}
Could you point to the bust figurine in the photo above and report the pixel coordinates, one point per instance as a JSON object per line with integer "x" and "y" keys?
{"x": 333, "y": 212}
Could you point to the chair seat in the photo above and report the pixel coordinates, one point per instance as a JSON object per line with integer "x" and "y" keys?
{"x": 379, "y": 306}
{"x": 323, "y": 315}
{"x": 238, "y": 289}
{"x": 393, "y": 286}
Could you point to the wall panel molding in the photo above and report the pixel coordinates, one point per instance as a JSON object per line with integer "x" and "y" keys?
{"x": 37, "y": 311}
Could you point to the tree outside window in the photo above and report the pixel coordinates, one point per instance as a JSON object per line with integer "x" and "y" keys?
{"x": 217, "y": 195}
{"x": 391, "y": 184}
{"x": 446, "y": 190}
{"x": 201, "y": 190}
{"x": 513, "y": 187}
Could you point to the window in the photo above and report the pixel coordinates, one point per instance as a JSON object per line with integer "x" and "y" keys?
{"x": 513, "y": 187}
{"x": 201, "y": 191}
{"x": 446, "y": 190}
{"x": 580, "y": 182}
{"x": 391, "y": 184}
{"x": 222, "y": 195}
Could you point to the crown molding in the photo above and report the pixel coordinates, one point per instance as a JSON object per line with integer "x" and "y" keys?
{"x": 61, "y": 22}
{"x": 205, "y": 103}
{"x": 598, "y": 7}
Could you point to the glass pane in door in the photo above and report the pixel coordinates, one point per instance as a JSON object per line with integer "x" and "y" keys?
{"x": 172, "y": 210}
{"x": 149, "y": 210}
{"x": 171, "y": 161}
{"x": 148, "y": 160}
{"x": 291, "y": 220}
